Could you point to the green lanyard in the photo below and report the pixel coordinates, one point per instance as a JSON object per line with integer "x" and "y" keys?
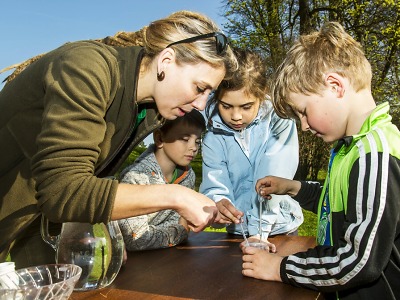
{"x": 174, "y": 176}
{"x": 140, "y": 117}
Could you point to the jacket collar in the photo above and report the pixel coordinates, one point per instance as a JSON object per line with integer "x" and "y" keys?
{"x": 378, "y": 116}
{"x": 217, "y": 125}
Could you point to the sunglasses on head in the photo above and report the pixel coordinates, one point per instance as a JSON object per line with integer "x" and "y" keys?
{"x": 221, "y": 41}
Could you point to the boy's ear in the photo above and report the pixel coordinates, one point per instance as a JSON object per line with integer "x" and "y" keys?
{"x": 157, "y": 137}
{"x": 335, "y": 82}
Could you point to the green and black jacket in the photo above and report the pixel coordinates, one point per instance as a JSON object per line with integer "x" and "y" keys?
{"x": 361, "y": 258}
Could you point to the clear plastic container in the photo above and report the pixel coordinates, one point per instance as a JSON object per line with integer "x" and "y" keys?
{"x": 45, "y": 282}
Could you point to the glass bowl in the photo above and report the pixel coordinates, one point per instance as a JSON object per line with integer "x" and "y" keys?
{"x": 54, "y": 282}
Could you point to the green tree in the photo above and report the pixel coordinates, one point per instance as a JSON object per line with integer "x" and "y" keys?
{"x": 270, "y": 27}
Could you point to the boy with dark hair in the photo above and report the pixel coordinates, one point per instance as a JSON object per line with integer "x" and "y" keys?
{"x": 166, "y": 161}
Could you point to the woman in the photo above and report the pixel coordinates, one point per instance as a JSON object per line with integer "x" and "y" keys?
{"x": 73, "y": 116}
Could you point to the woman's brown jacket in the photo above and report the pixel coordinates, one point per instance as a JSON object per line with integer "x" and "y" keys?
{"x": 65, "y": 122}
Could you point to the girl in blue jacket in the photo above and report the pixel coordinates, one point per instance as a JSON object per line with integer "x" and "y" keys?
{"x": 245, "y": 141}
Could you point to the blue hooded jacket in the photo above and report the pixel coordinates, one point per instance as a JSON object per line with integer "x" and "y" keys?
{"x": 233, "y": 161}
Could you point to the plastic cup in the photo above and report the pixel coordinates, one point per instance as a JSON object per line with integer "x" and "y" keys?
{"x": 259, "y": 245}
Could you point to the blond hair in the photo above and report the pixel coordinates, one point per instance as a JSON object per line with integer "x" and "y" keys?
{"x": 159, "y": 34}
{"x": 313, "y": 56}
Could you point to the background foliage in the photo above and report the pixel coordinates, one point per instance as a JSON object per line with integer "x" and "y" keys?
{"x": 270, "y": 27}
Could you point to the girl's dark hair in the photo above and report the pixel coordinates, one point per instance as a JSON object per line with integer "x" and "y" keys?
{"x": 251, "y": 75}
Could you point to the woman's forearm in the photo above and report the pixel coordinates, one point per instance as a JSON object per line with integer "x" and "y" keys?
{"x": 133, "y": 200}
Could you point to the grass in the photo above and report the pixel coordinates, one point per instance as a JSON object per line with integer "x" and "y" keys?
{"x": 308, "y": 228}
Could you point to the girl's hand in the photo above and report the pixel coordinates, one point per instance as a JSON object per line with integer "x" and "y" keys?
{"x": 260, "y": 264}
{"x": 228, "y": 212}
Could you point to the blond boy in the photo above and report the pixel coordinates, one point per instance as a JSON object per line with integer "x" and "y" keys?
{"x": 325, "y": 82}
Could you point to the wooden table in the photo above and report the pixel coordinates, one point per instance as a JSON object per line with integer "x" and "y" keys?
{"x": 208, "y": 266}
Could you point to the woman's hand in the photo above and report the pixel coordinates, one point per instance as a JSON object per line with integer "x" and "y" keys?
{"x": 184, "y": 223}
{"x": 198, "y": 210}
{"x": 125, "y": 256}
{"x": 132, "y": 200}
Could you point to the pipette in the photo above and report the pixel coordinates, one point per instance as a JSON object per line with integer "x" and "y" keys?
{"x": 244, "y": 235}
{"x": 261, "y": 200}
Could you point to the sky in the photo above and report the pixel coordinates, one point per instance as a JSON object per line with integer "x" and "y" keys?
{"x": 31, "y": 27}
